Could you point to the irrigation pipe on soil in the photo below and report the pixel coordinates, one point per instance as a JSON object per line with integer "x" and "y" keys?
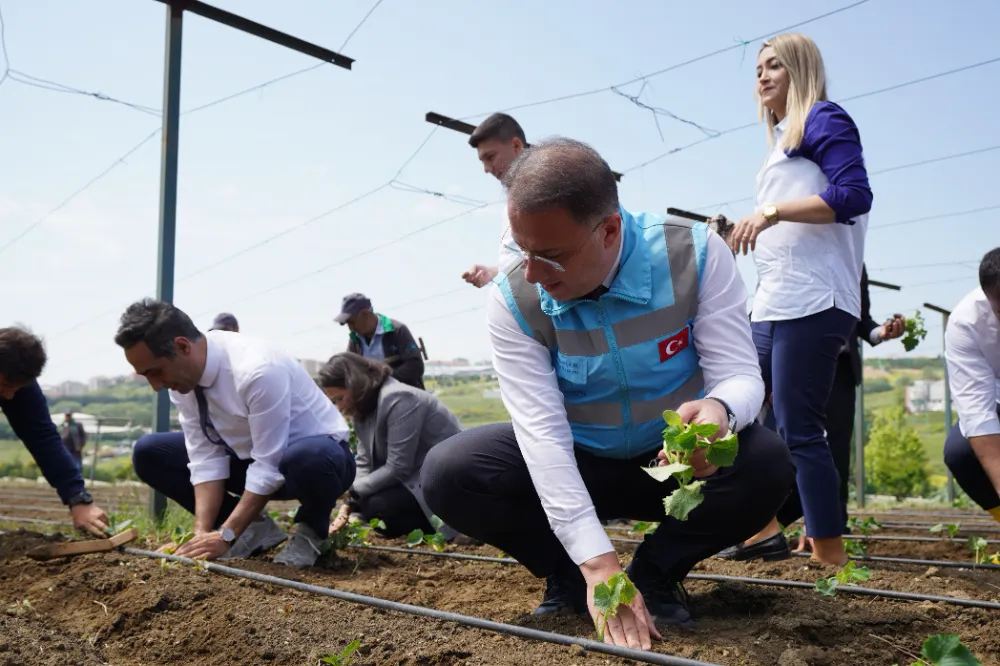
{"x": 910, "y": 596}
{"x": 467, "y": 620}
{"x": 861, "y": 537}
{"x": 910, "y": 560}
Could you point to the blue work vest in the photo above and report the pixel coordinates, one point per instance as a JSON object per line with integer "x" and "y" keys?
{"x": 623, "y": 359}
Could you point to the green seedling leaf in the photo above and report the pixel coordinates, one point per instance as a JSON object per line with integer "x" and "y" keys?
{"x": 827, "y": 586}
{"x": 914, "y": 331}
{"x": 947, "y": 650}
{"x": 436, "y": 541}
{"x": 376, "y": 524}
{"x": 705, "y": 430}
{"x": 437, "y": 522}
{"x": 344, "y": 658}
{"x": 680, "y": 503}
{"x": 673, "y": 419}
{"x": 415, "y": 538}
{"x": 666, "y": 471}
{"x": 722, "y": 452}
{"x": 609, "y": 596}
{"x": 642, "y": 527}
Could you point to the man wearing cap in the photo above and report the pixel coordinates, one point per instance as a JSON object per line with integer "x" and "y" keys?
{"x": 608, "y": 319}
{"x": 225, "y": 321}
{"x": 498, "y": 141}
{"x": 378, "y": 337}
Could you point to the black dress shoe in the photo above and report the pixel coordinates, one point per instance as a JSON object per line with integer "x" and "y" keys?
{"x": 564, "y": 592}
{"x": 770, "y": 549}
{"x": 666, "y": 601}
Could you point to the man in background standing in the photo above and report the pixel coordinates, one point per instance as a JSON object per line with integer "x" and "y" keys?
{"x": 383, "y": 339}
{"x": 74, "y": 438}
{"x": 224, "y": 321}
{"x": 498, "y": 140}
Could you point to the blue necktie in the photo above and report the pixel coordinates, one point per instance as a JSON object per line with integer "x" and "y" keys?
{"x": 206, "y": 423}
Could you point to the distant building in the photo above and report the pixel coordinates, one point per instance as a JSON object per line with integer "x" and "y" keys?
{"x": 68, "y": 388}
{"x": 311, "y": 366}
{"x": 925, "y": 395}
{"x": 99, "y": 383}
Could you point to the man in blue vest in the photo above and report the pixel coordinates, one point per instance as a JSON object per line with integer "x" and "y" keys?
{"x": 608, "y": 319}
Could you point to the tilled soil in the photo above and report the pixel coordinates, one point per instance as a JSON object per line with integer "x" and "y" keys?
{"x": 123, "y": 609}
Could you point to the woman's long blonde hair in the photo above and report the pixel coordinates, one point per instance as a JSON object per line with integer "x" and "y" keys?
{"x": 801, "y": 58}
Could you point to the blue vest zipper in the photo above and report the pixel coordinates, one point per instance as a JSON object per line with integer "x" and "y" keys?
{"x": 609, "y": 333}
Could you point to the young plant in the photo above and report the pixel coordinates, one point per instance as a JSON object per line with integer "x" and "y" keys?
{"x": 354, "y": 533}
{"x": 856, "y": 548}
{"x": 978, "y": 546}
{"x": 681, "y": 441}
{"x": 849, "y": 575}
{"x": 435, "y": 540}
{"x": 344, "y": 657}
{"x": 951, "y": 528}
{"x": 793, "y": 532}
{"x": 865, "y": 525}
{"x": 946, "y": 650}
{"x": 914, "y": 332}
{"x": 643, "y": 527}
{"x": 116, "y": 525}
{"x": 619, "y": 590}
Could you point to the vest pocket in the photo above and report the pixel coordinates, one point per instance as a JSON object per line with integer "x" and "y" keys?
{"x": 572, "y": 372}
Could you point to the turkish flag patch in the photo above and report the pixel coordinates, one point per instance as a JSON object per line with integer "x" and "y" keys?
{"x": 675, "y": 344}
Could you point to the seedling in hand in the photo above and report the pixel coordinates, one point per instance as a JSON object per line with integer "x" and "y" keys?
{"x": 618, "y": 591}
{"x": 116, "y": 525}
{"x": 681, "y": 441}
{"x": 849, "y": 575}
{"x": 914, "y": 332}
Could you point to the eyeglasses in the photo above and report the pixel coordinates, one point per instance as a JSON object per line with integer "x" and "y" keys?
{"x": 551, "y": 263}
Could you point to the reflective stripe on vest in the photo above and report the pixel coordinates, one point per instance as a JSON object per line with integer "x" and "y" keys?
{"x": 625, "y": 358}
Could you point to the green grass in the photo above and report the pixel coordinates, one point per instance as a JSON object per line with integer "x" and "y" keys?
{"x": 466, "y": 401}
{"x": 12, "y": 451}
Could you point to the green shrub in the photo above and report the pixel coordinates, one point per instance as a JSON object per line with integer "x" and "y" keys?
{"x": 895, "y": 460}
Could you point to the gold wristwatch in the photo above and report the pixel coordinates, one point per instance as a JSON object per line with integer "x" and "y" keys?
{"x": 770, "y": 213}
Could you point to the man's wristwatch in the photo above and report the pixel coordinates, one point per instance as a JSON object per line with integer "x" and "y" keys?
{"x": 83, "y": 497}
{"x": 770, "y": 213}
{"x": 227, "y": 535}
{"x": 729, "y": 413}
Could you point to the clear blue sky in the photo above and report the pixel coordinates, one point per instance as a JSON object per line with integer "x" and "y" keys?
{"x": 268, "y": 161}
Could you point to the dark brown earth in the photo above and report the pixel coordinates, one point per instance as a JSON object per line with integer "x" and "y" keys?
{"x": 177, "y": 614}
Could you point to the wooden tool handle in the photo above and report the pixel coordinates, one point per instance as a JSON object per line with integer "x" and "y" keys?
{"x": 54, "y": 550}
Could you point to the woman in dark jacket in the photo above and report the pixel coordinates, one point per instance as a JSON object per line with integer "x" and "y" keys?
{"x": 396, "y": 426}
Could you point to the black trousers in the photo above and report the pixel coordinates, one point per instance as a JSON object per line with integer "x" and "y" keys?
{"x": 478, "y": 483}
{"x": 968, "y": 471}
{"x": 396, "y": 507}
{"x": 840, "y": 410}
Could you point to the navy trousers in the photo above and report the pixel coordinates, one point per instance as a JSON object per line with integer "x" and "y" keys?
{"x": 798, "y": 359}
{"x": 968, "y": 471}
{"x": 317, "y": 471}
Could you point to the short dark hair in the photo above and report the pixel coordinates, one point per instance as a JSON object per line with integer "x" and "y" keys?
{"x": 22, "y": 355}
{"x": 989, "y": 272}
{"x": 499, "y": 126}
{"x": 362, "y": 377}
{"x": 157, "y": 324}
{"x": 562, "y": 173}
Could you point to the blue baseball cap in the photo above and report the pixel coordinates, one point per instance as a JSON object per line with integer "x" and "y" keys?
{"x": 352, "y": 305}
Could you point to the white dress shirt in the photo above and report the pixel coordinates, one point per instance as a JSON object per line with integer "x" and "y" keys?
{"x": 803, "y": 269}
{"x": 259, "y": 399}
{"x": 531, "y": 394}
{"x": 972, "y": 351}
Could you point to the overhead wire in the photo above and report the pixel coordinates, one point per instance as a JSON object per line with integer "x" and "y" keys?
{"x": 706, "y": 56}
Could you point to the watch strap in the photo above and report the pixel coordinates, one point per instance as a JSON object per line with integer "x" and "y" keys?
{"x": 83, "y": 497}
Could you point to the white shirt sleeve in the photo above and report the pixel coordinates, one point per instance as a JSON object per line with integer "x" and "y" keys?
{"x": 268, "y": 397}
{"x": 973, "y": 382}
{"x": 206, "y": 461}
{"x": 532, "y": 397}
{"x": 722, "y": 336}
{"x": 873, "y": 336}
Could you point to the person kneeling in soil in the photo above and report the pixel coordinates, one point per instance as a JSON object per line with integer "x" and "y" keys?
{"x": 972, "y": 354}
{"x": 22, "y": 358}
{"x": 254, "y": 424}
{"x": 608, "y": 319}
{"x": 396, "y": 426}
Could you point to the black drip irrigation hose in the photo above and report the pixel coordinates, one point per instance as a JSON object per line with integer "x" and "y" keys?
{"x": 862, "y": 537}
{"x": 922, "y": 514}
{"x": 467, "y": 620}
{"x": 910, "y": 560}
{"x": 720, "y": 578}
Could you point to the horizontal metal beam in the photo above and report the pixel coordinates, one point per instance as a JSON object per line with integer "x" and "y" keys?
{"x": 262, "y": 31}
{"x": 929, "y": 306}
{"x": 884, "y": 285}
{"x": 466, "y": 128}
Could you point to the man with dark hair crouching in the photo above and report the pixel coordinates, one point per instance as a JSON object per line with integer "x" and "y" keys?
{"x": 255, "y": 426}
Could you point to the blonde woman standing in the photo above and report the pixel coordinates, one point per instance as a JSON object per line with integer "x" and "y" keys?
{"x": 808, "y": 238}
